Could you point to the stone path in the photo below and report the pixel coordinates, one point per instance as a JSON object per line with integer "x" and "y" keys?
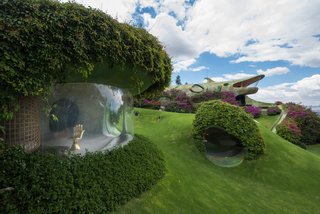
{"x": 283, "y": 115}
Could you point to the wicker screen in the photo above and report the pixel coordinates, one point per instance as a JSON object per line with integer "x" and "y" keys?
{"x": 24, "y": 128}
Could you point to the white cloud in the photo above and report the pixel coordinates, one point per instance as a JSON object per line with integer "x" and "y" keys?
{"x": 177, "y": 7}
{"x": 237, "y": 76}
{"x": 278, "y": 30}
{"x": 242, "y": 75}
{"x": 183, "y": 65}
{"x": 175, "y": 40}
{"x": 273, "y": 71}
{"x": 120, "y": 9}
{"x": 149, "y": 3}
{"x": 228, "y": 77}
{"x": 200, "y": 68}
{"x": 173, "y": 37}
{"x": 306, "y": 91}
{"x": 256, "y": 31}
{"x": 281, "y": 30}
{"x": 217, "y": 79}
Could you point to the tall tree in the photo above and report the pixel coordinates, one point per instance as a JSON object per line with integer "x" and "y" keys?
{"x": 178, "y": 80}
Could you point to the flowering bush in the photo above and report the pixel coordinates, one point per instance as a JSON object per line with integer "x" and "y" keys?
{"x": 182, "y": 107}
{"x": 253, "y": 110}
{"x": 225, "y": 96}
{"x": 177, "y": 101}
{"x": 229, "y": 97}
{"x": 205, "y": 96}
{"x": 152, "y": 104}
{"x": 273, "y": 110}
{"x": 290, "y": 131}
{"x": 308, "y": 122}
{"x": 296, "y": 111}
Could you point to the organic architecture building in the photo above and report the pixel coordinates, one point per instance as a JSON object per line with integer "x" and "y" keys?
{"x": 86, "y": 65}
{"x": 240, "y": 88}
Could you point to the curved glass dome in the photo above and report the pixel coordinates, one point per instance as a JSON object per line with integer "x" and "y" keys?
{"x": 87, "y": 117}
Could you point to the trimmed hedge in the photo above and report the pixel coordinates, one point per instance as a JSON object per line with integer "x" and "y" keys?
{"x": 93, "y": 183}
{"x": 234, "y": 120}
{"x": 44, "y": 42}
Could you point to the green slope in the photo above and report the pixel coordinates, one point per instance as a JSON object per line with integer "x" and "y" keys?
{"x": 268, "y": 121}
{"x": 315, "y": 149}
{"x": 285, "y": 179}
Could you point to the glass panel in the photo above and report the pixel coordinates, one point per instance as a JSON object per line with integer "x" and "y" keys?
{"x": 87, "y": 117}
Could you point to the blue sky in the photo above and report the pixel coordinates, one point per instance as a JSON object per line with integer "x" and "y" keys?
{"x": 230, "y": 39}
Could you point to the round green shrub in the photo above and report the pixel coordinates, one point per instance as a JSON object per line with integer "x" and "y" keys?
{"x": 93, "y": 183}
{"x": 44, "y": 42}
{"x": 234, "y": 120}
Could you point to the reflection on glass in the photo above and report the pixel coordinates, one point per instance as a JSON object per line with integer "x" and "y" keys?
{"x": 103, "y": 111}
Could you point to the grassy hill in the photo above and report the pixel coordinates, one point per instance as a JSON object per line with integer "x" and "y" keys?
{"x": 284, "y": 180}
{"x": 314, "y": 149}
{"x": 268, "y": 121}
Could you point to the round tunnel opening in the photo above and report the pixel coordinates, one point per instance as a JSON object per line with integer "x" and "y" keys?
{"x": 222, "y": 148}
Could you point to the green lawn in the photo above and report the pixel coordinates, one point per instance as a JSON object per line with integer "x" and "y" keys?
{"x": 284, "y": 180}
{"x": 268, "y": 121}
{"x": 315, "y": 149}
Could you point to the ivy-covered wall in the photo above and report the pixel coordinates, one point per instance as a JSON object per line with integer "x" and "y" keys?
{"x": 44, "y": 42}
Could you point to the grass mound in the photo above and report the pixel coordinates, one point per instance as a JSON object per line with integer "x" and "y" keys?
{"x": 284, "y": 180}
{"x": 93, "y": 183}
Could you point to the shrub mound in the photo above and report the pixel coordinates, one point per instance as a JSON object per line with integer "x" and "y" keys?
{"x": 234, "y": 120}
{"x": 93, "y": 183}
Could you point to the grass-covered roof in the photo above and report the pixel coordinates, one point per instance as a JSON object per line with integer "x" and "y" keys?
{"x": 44, "y": 42}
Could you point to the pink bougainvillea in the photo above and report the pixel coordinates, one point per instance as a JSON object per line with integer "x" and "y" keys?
{"x": 307, "y": 121}
{"x": 290, "y": 131}
{"x": 296, "y": 111}
{"x": 274, "y": 110}
{"x": 178, "y": 101}
{"x": 253, "y": 110}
